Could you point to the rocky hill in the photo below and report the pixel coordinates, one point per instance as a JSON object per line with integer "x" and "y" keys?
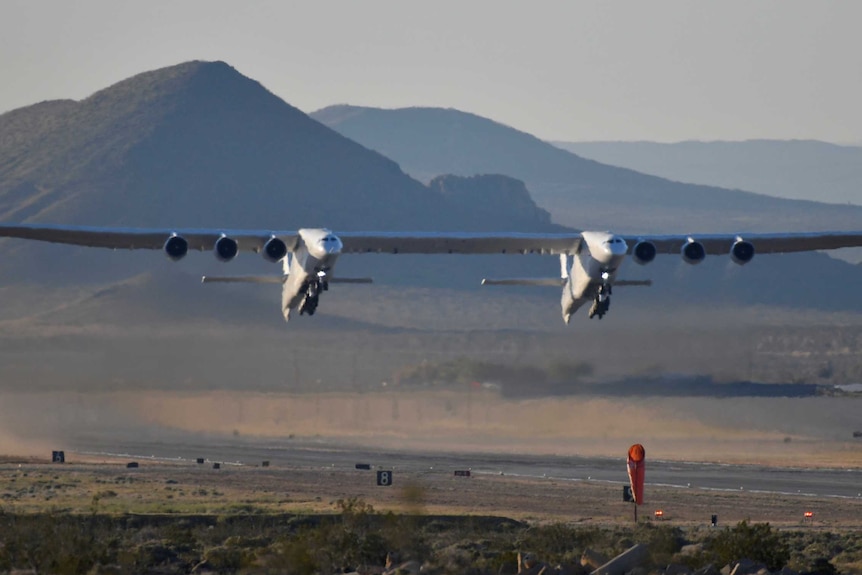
{"x": 199, "y": 144}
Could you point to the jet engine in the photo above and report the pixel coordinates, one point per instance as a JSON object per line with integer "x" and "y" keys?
{"x": 741, "y": 252}
{"x": 693, "y": 252}
{"x": 225, "y": 249}
{"x": 274, "y": 249}
{"x": 176, "y": 247}
{"x": 643, "y": 252}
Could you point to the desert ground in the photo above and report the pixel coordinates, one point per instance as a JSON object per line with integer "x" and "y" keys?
{"x": 97, "y": 484}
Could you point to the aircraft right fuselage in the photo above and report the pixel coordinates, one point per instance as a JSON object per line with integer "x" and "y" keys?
{"x": 593, "y": 270}
{"x": 308, "y": 270}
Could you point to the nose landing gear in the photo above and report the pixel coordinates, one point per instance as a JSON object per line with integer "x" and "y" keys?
{"x": 602, "y": 302}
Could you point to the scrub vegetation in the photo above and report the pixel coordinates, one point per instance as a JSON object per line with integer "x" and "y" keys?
{"x": 355, "y": 536}
{"x": 170, "y": 519}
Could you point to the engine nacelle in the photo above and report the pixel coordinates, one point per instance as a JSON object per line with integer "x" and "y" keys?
{"x": 742, "y": 252}
{"x": 176, "y": 247}
{"x": 274, "y": 249}
{"x": 643, "y": 252}
{"x": 225, "y": 249}
{"x": 693, "y": 252}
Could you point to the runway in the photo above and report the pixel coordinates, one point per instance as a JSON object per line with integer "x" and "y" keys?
{"x": 324, "y": 454}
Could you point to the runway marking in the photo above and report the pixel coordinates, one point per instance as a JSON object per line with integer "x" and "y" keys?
{"x": 589, "y": 479}
{"x": 669, "y": 485}
{"x": 153, "y": 457}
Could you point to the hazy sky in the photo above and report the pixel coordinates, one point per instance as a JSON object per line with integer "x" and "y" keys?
{"x": 572, "y": 70}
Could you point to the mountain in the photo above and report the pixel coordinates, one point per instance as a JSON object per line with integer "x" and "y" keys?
{"x": 199, "y": 144}
{"x": 578, "y": 192}
{"x": 796, "y": 169}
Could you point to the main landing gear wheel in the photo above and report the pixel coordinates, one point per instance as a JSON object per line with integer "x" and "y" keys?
{"x": 312, "y": 298}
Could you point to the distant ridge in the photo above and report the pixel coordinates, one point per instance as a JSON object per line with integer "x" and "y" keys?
{"x": 795, "y": 169}
{"x": 578, "y": 192}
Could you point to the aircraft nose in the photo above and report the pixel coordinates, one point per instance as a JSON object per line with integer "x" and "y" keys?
{"x": 619, "y": 247}
{"x": 616, "y": 247}
{"x": 330, "y": 245}
{"x": 334, "y": 246}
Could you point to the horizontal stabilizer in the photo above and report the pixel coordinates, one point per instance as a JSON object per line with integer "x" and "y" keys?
{"x": 553, "y": 282}
{"x": 244, "y": 279}
{"x": 548, "y": 282}
{"x": 275, "y": 280}
{"x": 351, "y": 280}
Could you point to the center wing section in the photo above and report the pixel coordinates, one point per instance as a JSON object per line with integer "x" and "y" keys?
{"x": 459, "y": 243}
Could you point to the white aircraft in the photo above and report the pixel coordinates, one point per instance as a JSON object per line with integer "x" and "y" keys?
{"x": 589, "y": 261}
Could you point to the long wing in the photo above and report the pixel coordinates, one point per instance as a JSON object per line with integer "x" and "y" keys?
{"x": 720, "y": 244}
{"x": 142, "y": 238}
{"x": 421, "y": 242}
{"x": 253, "y": 240}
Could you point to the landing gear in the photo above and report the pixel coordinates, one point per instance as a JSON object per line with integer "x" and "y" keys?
{"x": 602, "y": 302}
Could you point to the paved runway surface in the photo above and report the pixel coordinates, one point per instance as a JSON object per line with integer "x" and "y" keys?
{"x": 323, "y": 454}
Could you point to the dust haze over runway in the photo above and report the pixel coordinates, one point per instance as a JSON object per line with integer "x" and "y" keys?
{"x": 691, "y": 442}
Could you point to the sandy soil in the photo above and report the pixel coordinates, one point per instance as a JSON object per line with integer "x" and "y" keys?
{"x": 801, "y": 433}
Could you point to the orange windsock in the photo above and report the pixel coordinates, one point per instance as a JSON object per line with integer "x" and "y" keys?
{"x": 637, "y": 471}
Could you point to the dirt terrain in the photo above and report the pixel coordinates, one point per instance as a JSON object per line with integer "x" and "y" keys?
{"x": 105, "y": 485}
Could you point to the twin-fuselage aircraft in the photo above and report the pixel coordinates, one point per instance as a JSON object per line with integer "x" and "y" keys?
{"x": 589, "y": 261}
